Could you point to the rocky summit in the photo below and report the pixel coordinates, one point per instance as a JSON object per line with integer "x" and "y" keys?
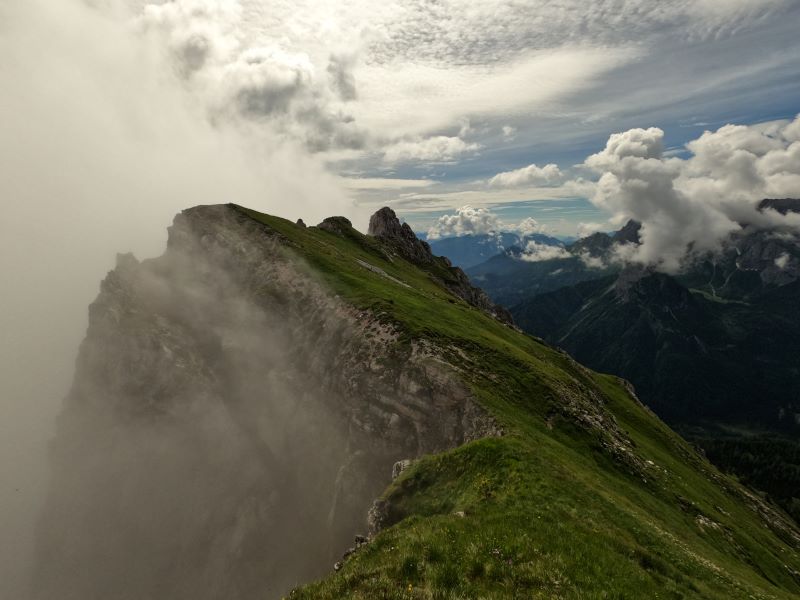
{"x": 399, "y": 239}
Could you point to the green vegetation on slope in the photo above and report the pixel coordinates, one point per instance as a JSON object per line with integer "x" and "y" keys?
{"x": 763, "y": 461}
{"x": 558, "y": 507}
{"x": 719, "y": 370}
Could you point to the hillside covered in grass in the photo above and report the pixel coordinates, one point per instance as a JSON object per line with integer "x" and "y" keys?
{"x": 585, "y": 495}
{"x": 270, "y": 410}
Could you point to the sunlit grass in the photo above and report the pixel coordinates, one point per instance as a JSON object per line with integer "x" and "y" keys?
{"x": 547, "y": 513}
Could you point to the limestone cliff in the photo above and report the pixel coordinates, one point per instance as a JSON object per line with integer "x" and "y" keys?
{"x": 230, "y": 423}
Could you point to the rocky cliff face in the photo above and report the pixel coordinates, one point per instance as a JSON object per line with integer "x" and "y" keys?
{"x": 230, "y": 423}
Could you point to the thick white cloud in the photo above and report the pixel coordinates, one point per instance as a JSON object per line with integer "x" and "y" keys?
{"x": 531, "y": 175}
{"x": 736, "y": 164}
{"x": 690, "y": 206}
{"x": 586, "y": 229}
{"x": 637, "y": 143}
{"x": 592, "y": 262}
{"x": 529, "y": 226}
{"x": 265, "y": 82}
{"x": 437, "y": 149}
{"x": 535, "y": 252}
{"x": 466, "y": 221}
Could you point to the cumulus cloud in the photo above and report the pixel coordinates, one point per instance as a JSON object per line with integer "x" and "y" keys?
{"x": 529, "y": 226}
{"x": 265, "y": 83}
{"x": 437, "y": 149}
{"x": 592, "y": 262}
{"x": 688, "y": 207}
{"x": 466, "y": 221}
{"x": 586, "y": 229}
{"x": 737, "y": 164}
{"x": 536, "y": 252}
{"x": 477, "y": 221}
{"x": 530, "y": 175}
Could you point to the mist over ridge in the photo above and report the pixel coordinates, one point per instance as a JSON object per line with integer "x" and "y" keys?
{"x": 250, "y": 389}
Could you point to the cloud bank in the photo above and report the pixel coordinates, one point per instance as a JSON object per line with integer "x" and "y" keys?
{"x": 536, "y": 252}
{"x": 103, "y": 141}
{"x": 689, "y": 207}
{"x": 261, "y": 81}
{"x": 465, "y": 221}
{"x": 480, "y": 221}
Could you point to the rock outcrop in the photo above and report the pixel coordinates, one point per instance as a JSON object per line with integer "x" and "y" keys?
{"x": 782, "y": 205}
{"x": 596, "y": 245}
{"x": 385, "y": 226}
{"x": 337, "y": 225}
{"x": 399, "y": 239}
{"x": 629, "y": 234}
{"x": 224, "y": 396}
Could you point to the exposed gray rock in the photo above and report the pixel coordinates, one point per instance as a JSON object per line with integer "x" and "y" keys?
{"x": 399, "y": 467}
{"x": 377, "y": 516}
{"x": 401, "y": 240}
{"x": 385, "y": 226}
{"x": 782, "y": 205}
{"x": 224, "y": 396}
{"x": 337, "y": 225}
{"x": 596, "y": 245}
{"x": 629, "y": 234}
{"x": 775, "y": 257}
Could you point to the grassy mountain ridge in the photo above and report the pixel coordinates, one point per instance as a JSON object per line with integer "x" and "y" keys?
{"x": 587, "y": 495}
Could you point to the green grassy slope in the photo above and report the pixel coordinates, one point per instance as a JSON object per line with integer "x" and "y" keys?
{"x": 588, "y": 495}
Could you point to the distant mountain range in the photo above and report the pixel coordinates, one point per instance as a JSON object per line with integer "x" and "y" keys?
{"x": 715, "y": 351}
{"x": 514, "y": 275}
{"x": 469, "y": 250}
{"x": 694, "y": 357}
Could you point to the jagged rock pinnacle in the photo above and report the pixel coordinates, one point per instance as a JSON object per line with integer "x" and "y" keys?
{"x": 385, "y": 225}
{"x": 401, "y": 240}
